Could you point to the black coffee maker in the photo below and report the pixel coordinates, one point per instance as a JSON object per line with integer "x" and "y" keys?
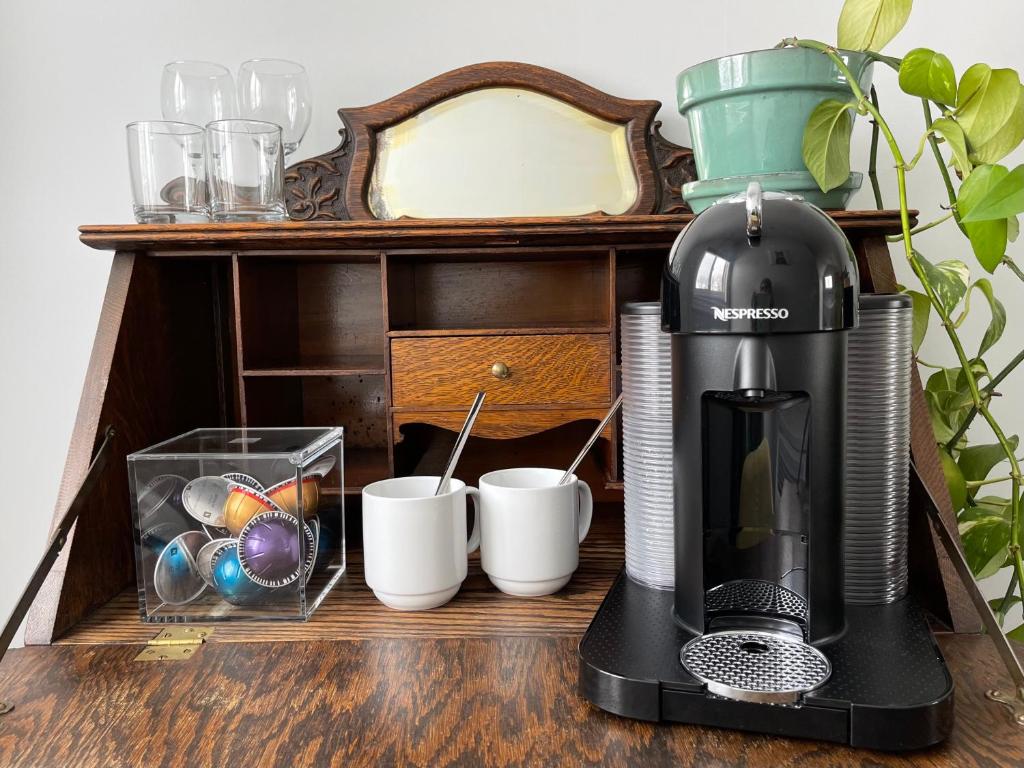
{"x": 759, "y": 292}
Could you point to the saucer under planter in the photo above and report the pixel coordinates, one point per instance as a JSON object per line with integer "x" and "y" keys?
{"x": 747, "y": 111}
{"x": 701, "y": 194}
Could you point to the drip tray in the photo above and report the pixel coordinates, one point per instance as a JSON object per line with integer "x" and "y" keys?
{"x": 762, "y": 667}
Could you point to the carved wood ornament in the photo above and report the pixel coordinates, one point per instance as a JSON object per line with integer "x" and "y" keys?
{"x": 335, "y": 185}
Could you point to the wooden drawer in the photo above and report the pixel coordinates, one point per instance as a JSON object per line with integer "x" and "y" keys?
{"x": 438, "y": 372}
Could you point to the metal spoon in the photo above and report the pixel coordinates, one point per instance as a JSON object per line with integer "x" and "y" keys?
{"x": 460, "y": 443}
{"x": 590, "y": 443}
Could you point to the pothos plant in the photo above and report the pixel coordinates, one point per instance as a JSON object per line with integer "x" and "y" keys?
{"x": 970, "y": 124}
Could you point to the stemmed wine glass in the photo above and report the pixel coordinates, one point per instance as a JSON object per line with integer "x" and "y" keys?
{"x": 277, "y": 91}
{"x": 197, "y": 92}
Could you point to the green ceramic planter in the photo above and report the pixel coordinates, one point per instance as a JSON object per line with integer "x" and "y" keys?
{"x": 747, "y": 112}
{"x": 701, "y": 194}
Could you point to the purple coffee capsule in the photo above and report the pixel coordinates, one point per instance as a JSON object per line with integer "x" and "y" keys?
{"x": 268, "y": 548}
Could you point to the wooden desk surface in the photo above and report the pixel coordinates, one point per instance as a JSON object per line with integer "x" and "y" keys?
{"x": 452, "y": 693}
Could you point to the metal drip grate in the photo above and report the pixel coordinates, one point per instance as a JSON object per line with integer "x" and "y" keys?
{"x": 758, "y": 596}
{"x": 761, "y": 667}
{"x": 767, "y": 398}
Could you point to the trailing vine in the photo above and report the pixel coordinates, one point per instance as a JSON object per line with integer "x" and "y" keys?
{"x": 980, "y": 120}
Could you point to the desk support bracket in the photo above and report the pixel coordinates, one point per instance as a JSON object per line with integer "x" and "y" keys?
{"x": 53, "y": 550}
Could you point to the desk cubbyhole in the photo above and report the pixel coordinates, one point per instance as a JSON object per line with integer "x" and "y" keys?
{"x": 317, "y": 316}
{"x": 455, "y": 291}
{"x": 357, "y": 403}
{"x": 637, "y": 278}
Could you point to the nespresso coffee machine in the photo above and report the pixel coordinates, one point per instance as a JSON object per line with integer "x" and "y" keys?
{"x": 759, "y": 293}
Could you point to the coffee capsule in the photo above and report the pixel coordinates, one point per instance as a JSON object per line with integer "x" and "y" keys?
{"x": 204, "y": 498}
{"x": 243, "y": 504}
{"x": 231, "y": 582}
{"x": 321, "y": 467}
{"x": 243, "y": 479}
{"x": 284, "y": 495}
{"x": 313, "y": 529}
{"x": 208, "y": 555}
{"x": 268, "y": 548}
{"x": 175, "y": 578}
{"x": 158, "y": 494}
{"x": 158, "y": 536}
{"x": 327, "y": 543}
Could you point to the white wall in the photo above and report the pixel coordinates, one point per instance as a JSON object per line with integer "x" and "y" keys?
{"x": 73, "y": 73}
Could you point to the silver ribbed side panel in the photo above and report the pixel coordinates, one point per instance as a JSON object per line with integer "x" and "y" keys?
{"x": 878, "y": 450}
{"x": 647, "y": 445}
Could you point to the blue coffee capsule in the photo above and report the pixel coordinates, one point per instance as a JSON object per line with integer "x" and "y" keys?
{"x": 159, "y": 536}
{"x": 328, "y": 544}
{"x": 231, "y": 582}
{"x": 175, "y": 576}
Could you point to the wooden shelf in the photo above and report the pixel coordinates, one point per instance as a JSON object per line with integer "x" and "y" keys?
{"x": 352, "y": 365}
{"x": 533, "y": 330}
{"x": 351, "y": 612}
{"x": 394, "y": 235}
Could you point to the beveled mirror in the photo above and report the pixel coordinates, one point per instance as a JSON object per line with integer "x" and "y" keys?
{"x": 500, "y": 152}
{"x": 494, "y": 140}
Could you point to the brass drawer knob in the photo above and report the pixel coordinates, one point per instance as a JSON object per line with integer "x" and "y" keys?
{"x": 500, "y": 371}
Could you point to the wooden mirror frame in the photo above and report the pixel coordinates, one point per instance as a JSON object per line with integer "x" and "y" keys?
{"x": 335, "y": 185}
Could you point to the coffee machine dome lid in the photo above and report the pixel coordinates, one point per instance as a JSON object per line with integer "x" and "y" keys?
{"x": 759, "y": 263}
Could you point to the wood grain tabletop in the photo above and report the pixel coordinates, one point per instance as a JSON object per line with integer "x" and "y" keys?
{"x": 487, "y": 680}
{"x": 384, "y": 702}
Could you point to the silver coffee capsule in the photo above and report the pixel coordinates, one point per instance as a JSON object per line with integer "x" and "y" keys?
{"x": 321, "y": 467}
{"x": 161, "y": 491}
{"x": 243, "y": 479}
{"x": 176, "y": 579}
{"x": 204, "y": 499}
{"x": 208, "y": 555}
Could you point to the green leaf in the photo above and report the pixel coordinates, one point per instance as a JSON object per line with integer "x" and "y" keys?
{"x": 999, "y": 609}
{"x": 954, "y": 480}
{"x": 921, "y": 313}
{"x": 977, "y": 461}
{"x": 928, "y": 74}
{"x": 1006, "y": 138}
{"x": 826, "y": 146}
{"x": 985, "y": 100}
{"x": 867, "y": 25}
{"x": 1012, "y": 229}
{"x": 943, "y": 430}
{"x": 948, "y": 279}
{"x": 985, "y": 545}
{"x": 1001, "y": 200}
{"x": 997, "y": 321}
{"x": 988, "y": 238}
{"x": 1017, "y": 634}
{"x": 989, "y": 506}
{"x": 943, "y": 380}
{"x": 948, "y": 128}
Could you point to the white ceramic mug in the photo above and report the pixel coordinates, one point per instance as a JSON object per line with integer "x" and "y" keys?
{"x": 414, "y": 543}
{"x": 531, "y": 528}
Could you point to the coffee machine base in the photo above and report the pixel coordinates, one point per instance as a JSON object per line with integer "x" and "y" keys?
{"x": 889, "y": 687}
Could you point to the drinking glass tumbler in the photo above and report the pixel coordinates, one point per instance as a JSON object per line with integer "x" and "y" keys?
{"x": 277, "y": 90}
{"x": 168, "y": 172}
{"x": 197, "y": 92}
{"x": 246, "y": 170}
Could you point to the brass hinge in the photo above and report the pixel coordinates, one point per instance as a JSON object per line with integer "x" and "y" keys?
{"x": 175, "y": 643}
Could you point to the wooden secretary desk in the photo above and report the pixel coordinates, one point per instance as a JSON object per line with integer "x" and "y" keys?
{"x": 376, "y": 310}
